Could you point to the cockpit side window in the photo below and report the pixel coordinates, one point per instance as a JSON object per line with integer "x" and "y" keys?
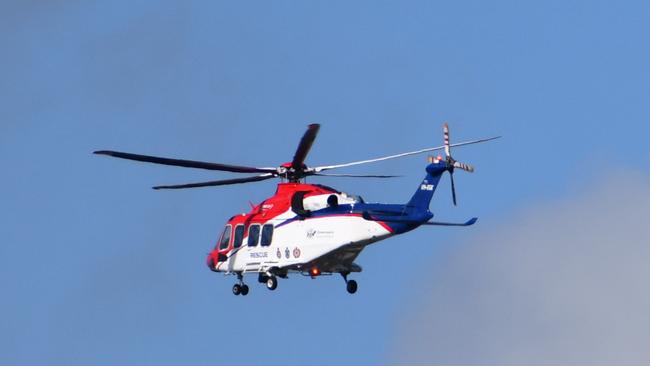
{"x": 253, "y": 235}
{"x": 225, "y": 237}
{"x": 239, "y": 236}
{"x": 267, "y": 235}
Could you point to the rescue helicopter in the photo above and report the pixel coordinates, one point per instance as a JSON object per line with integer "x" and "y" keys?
{"x": 312, "y": 229}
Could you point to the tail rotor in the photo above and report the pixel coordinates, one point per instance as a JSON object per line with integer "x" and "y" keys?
{"x": 453, "y": 164}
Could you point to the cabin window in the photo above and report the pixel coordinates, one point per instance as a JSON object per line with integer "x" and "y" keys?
{"x": 267, "y": 235}
{"x": 225, "y": 237}
{"x": 239, "y": 236}
{"x": 253, "y": 235}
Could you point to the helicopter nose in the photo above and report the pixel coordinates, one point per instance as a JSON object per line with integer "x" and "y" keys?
{"x": 210, "y": 262}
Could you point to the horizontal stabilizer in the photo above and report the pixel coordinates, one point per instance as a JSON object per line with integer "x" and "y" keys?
{"x": 469, "y": 222}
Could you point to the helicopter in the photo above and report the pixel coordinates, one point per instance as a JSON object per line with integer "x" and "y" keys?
{"x": 312, "y": 229}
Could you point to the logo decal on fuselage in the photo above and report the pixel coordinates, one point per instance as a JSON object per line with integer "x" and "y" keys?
{"x": 296, "y": 252}
{"x": 312, "y": 233}
{"x": 278, "y": 253}
{"x": 286, "y": 252}
{"x": 427, "y": 187}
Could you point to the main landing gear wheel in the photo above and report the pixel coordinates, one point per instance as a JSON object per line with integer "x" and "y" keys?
{"x": 271, "y": 283}
{"x": 351, "y": 286}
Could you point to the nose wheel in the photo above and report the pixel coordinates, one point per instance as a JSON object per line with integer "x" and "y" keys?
{"x": 350, "y": 285}
{"x": 240, "y": 288}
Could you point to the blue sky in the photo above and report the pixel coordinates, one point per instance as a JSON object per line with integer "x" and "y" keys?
{"x": 97, "y": 268}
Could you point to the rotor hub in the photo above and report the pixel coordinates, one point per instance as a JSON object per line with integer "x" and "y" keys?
{"x": 288, "y": 171}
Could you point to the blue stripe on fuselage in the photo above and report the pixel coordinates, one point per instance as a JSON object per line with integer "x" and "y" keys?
{"x": 387, "y": 212}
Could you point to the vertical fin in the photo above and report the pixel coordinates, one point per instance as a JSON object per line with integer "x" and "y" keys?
{"x": 422, "y": 197}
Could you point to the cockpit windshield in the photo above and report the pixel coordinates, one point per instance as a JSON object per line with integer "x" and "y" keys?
{"x": 224, "y": 240}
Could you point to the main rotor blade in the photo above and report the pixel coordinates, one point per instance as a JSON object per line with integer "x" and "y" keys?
{"x": 356, "y": 176}
{"x": 304, "y": 146}
{"x": 215, "y": 183}
{"x": 184, "y": 163}
{"x": 327, "y": 167}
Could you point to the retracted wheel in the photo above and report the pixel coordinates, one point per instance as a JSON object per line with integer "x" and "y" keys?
{"x": 271, "y": 283}
{"x": 237, "y": 289}
{"x": 351, "y": 286}
{"x": 244, "y": 290}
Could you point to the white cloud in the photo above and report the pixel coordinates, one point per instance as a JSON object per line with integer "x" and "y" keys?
{"x": 564, "y": 284}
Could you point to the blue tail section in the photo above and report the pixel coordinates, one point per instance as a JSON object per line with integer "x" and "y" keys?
{"x": 422, "y": 197}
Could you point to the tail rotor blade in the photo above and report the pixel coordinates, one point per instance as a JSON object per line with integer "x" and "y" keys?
{"x": 445, "y": 129}
{"x": 466, "y": 167}
{"x": 453, "y": 188}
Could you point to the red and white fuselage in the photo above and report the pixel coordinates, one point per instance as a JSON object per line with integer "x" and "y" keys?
{"x": 274, "y": 237}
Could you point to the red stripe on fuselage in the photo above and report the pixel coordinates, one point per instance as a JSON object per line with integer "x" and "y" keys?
{"x": 385, "y": 226}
